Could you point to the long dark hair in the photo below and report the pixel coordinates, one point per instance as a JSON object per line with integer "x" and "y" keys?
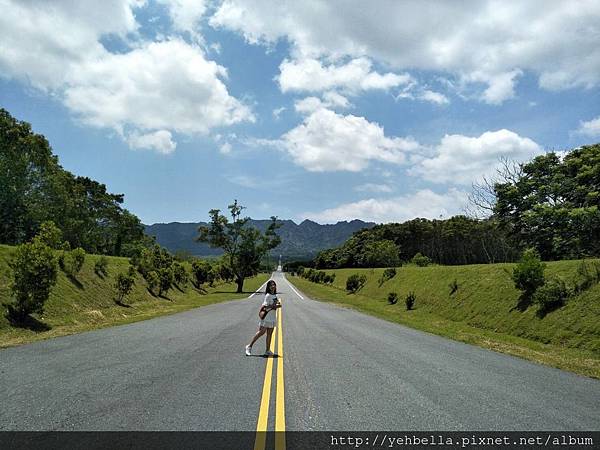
{"x": 269, "y": 284}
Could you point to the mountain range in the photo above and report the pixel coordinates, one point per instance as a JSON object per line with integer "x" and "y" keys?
{"x": 298, "y": 242}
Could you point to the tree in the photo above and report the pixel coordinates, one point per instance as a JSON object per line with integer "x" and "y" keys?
{"x": 34, "y": 268}
{"x": 554, "y": 205}
{"x": 123, "y": 286}
{"x": 244, "y": 246}
{"x": 200, "y": 271}
{"x": 180, "y": 275}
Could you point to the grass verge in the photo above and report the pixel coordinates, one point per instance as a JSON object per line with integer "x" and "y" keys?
{"x": 481, "y": 312}
{"x": 87, "y": 302}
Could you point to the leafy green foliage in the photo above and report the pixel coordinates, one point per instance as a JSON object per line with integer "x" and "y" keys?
{"x": 123, "y": 285}
{"x": 318, "y": 276}
{"x": 101, "y": 266}
{"x": 180, "y": 275}
{"x": 553, "y": 206}
{"x": 165, "y": 280}
{"x": 50, "y": 235}
{"x": 244, "y": 246}
{"x": 35, "y": 189}
{"x": 201, "y": 272}
{"x": 355, "y": 283}
{"x": 392, "y": 298}
{"x": 73, "y": 261}
{"x": 528, "y": 274}
{"x": 153, "y": 281}
{"x": 34, "y": 268}
{"x": 387, "y": 275}
{"x": 551, "y": 295}
{"x": 421, "y": 260}
{"x": 588, "y": 274}
{"x": 457, "y": 240}
{"x": 410, "y": 300}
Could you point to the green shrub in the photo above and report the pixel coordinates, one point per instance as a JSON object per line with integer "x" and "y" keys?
{"x": 528, "y": 275}
{"x": 123, "y": 286}
{"x": 588, "y": 274}
{"x": 392, "y": 298}
{"x": 101, "y": 266}
{"x": 34, "y": 275}
{"x": 387, "y": 275}
{"x": 200, "y": 272}
{"x": 355, "y": 283}
{"x": 165, "y": 280}
{"x": 72, "y": 262}
{"x": 180, "y": 275}
{"x": 50, "y": 235}
{"x": 410, "y": 301}
{"x": 553, "y": 294}
{"x": 300, "y": 270}
{"x": 153, "y": 281}
{"x": 421, "y": 260}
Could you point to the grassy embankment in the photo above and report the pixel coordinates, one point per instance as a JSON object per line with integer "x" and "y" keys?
{"x": 88, "y": 302}
{"x": 481, "y": 312}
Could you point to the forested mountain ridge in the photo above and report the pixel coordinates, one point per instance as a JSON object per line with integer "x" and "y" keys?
{"x": 298, "y": 241}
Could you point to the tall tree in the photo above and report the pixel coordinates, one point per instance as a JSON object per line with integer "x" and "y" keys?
{"x": 244, "y": 246}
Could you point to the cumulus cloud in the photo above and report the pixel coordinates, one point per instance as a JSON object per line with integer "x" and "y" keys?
{"x": 330, "y": 100}
{"x": 482, "y": 41}
{"x": 590, "y": 128}
{"x": 424, "y": 203}
{"x": 143, "y": 92}
{"x": 462, "y": 160}
{"x": 310, "y": 75}
{"x": 158, "y": 140}
{"x": 327, "y": 141}
{"x": 185, "y": 14}
{"x": 167, "y": 85}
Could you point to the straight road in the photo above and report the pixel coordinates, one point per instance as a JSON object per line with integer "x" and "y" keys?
{"x": 337, "y": 370}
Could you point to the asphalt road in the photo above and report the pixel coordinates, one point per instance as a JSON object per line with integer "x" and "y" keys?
{"x": 342, "y": 370}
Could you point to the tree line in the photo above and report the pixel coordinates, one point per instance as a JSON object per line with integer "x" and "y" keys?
{"x": 549, "y": 204}
{"x": 34, "y": 188}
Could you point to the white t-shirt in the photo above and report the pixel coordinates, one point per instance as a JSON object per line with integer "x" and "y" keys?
{"x": 270, "y": 300}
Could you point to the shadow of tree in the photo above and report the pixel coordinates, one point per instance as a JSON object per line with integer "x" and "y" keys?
{"x": 29, "y": 323}
{"x": 524, "y": 302}
{"x": 124, "y": 305}
{"x": 75, "y": 281}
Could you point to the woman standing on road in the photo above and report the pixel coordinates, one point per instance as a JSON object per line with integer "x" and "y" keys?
{"x": 266, "y": 325}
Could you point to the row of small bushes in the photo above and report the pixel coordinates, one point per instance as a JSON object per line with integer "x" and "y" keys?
{"x": 316, "y": 276}
{"x": 550, "y": 294}
{"x": 409, "y": 300}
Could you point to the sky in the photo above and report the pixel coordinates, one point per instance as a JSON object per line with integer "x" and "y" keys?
{"x": 321, "y": 110}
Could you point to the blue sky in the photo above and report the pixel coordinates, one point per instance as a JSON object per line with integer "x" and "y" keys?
{"x": 320, "y": 110}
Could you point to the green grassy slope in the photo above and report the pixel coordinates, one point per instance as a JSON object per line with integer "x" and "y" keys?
{"x": 482, "y": 311}
{"x": 88, "y": 302}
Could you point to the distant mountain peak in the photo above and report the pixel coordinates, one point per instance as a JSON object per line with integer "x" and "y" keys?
{"x": 301, "y": 241}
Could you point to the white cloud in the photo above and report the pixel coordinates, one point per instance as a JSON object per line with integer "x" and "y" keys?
{"x": 327, "y": 141}
{"x": 330, "y": 100}
{"x": 462, "y": 160}
{"x": 168, "y": 86}
{"x": 225, "y": 148}
{"x": 373, "y": 187}
{"x": 163, "y": 85}
{"x": 424, "y": 203}
{"x": 185, "y": 14}
{"x": 309, "y": 75}
{"x": 553, "y": 39}
{"x": 158, "y": 140}
{"x": 590, "y": 128}
{"x": 434, "y": 97}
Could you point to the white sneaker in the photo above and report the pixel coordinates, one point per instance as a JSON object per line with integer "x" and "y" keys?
{"x": 269, "y": 353}
{"x": 248, "y": 350}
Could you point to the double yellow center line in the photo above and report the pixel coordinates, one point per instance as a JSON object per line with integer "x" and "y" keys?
{"x": 263, "y": 414}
